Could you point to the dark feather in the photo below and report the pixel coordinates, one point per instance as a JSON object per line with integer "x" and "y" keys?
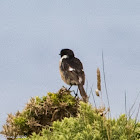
{"x": 77, "y": 71}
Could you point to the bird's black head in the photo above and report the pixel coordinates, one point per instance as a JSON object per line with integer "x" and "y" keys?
{"x": 67, "y": 52}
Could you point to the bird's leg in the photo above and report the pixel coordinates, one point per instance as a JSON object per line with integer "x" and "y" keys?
{"x": 70, "y": 87}
{"x": 76, "y": 93}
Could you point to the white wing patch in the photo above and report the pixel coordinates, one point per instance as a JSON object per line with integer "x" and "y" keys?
{"x": 71, "y": 69}
{"x": 80, "y": 80}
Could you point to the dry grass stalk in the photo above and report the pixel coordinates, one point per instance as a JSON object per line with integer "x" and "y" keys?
{"x": 98, "y": 79}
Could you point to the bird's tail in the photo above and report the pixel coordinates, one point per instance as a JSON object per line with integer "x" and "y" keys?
{"x": 82, "y": 92}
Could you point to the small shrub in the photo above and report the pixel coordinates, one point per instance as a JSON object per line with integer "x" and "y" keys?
{"x": 90, "y": 125}
{"x": 39, "y": 113}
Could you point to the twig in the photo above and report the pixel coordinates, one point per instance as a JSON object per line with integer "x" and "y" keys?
{"x": 133, "y": 106}
{"x": 138, "y": 112}
{"x": 132, "y": 113}
{"x": 105, "y": 82}
{"x": 125, "y": 105}
{"x": 93, "y": 97}
{"x": 86, "y": 85}
{"x": 90, "y": 91}
{"x": 136, "y": 117}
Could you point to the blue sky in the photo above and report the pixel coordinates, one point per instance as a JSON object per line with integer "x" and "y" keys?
{"x": 32, "y": 33}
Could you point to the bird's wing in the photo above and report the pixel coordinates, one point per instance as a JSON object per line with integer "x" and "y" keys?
{"x": 76, "y": 64}
{"x": 74, "y": 68}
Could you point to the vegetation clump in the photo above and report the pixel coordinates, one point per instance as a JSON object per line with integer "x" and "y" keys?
{"x": 90, "y": 125}
{"x": 40, "y": 113}
{"x": 60, "y": 116}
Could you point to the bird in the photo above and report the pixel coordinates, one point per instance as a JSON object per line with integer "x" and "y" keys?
{"x": 71, "y": 71}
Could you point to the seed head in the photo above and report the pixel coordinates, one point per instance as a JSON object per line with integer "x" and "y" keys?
{"x": 97, "y": 92}
{"x": 98, "y": 79}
